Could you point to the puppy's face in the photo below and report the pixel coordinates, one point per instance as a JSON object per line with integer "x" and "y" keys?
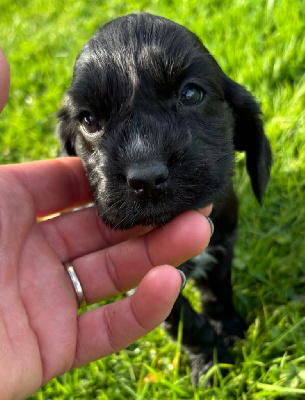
{"x": 148, "y": 115}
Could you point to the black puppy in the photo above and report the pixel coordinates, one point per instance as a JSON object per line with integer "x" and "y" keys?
{"x": 156, "y": 123}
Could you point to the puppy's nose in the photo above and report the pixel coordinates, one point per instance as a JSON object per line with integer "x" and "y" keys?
{"x": 147, "y": 180}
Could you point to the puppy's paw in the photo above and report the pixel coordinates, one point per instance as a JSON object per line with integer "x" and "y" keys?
{"x": 202, "y": 362}
{"x": 233, "y": 329}
{"x": 230, "y": 330}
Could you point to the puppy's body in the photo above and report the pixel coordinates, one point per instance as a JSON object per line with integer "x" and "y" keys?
{"x": 156, "y": 123}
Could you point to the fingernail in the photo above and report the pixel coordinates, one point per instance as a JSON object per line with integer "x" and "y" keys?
{"x": 183, "y": 278}
{"x": 211, "y": 225}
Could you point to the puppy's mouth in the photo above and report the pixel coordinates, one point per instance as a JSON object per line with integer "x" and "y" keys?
{"x": 152, "y": 192}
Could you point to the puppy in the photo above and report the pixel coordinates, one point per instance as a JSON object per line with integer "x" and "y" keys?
{"x": 156, "y": 123}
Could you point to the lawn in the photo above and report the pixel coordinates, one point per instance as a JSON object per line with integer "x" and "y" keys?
{"x": 260, "y": 44}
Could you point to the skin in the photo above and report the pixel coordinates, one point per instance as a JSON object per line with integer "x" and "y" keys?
{"x": 4, "y": 80}
{"x": 41, "y": 333}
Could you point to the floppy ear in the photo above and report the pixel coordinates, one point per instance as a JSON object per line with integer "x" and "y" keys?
{"x": 249, "y": 135}
{"x": 65, "y": 131}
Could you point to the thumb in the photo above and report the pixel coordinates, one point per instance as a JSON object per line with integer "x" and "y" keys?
{"x": 4, "y": 80}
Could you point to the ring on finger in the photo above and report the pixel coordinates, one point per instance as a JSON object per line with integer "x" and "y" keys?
{"x": 80, "y": 296}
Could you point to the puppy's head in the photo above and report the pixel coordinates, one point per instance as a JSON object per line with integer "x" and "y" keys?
{"x": 156, "y": 122}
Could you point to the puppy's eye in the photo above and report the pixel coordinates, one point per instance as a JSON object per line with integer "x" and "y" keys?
{"x": 191, "y": 95}
{"x": 91, "y": 124}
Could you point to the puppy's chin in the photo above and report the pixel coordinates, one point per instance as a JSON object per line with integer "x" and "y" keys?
{"x": 128, "y": 222}
{"x": 143, "y": 217}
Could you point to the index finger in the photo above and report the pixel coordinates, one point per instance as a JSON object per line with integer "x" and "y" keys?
{"x": 55, "y": 185}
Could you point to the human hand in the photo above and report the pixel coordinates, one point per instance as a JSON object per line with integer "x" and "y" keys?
{"x": 41, "y": 333}
{"x": 4, "y": 80}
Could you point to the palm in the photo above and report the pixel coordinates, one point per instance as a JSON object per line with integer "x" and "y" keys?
{"x": 38, "y": 309}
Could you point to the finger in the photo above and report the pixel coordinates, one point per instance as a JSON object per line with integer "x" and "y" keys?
{"x": 114, "y": 270}
{"x": 81, "y": 232}
{"x": 55, "y": 185}
{"x": 206, "y": 210}
{"x": 4, "y": 80}
{"x": 108, "y": 329}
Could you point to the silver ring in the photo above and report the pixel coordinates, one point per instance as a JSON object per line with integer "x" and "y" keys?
{"x": 211, "y": 225}
{"x": 76, "y": 284}
{"x": 183, "y": 278}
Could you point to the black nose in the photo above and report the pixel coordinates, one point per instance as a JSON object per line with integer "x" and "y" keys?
{"x": 149, "y": 179}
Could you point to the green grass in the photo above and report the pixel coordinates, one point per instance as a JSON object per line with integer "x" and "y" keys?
{"x": 261, "y": 44}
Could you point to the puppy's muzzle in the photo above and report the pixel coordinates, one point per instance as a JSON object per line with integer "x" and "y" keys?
{"x": 148, "y": 180}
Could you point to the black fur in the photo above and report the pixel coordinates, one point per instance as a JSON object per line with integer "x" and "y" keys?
{"x": 152, "y": 151}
